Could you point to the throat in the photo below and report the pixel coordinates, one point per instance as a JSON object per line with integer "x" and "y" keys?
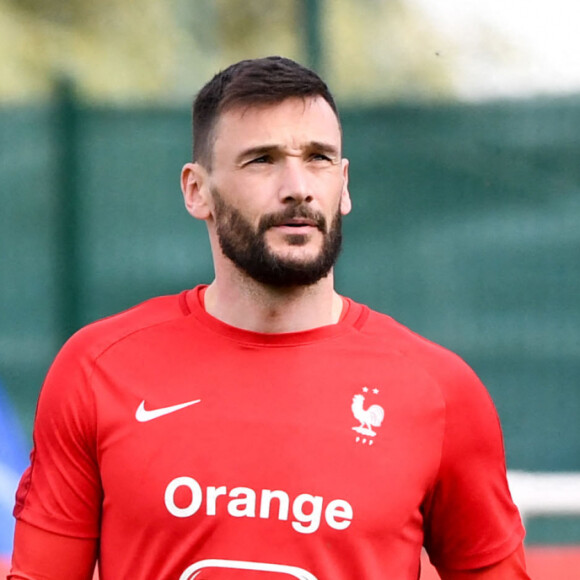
{"x": 256, "y": 308}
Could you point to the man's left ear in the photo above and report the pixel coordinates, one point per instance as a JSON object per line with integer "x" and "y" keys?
{"x": 194, "y": 180}
{"x": 345, "y": 202}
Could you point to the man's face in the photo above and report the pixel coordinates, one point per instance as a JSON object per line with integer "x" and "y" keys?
{"x": 279, "y": 190}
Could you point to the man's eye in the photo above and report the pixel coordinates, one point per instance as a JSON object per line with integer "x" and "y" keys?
{"x": 261, "y": 159}
{"x": 320, "y": 157}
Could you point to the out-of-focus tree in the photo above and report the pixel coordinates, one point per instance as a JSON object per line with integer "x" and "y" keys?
{"x": 112, "y": 49}
{"x": 254, "y": 28}
{"x": 121, "y": 50}
{"x": 380, "y": 50}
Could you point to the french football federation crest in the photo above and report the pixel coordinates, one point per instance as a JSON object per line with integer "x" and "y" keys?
{"x": 369, "y": 418}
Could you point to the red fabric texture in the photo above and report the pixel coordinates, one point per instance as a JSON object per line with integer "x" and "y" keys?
{"x": 338, "y": 451}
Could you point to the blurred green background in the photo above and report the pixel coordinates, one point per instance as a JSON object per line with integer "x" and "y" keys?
{"x": 466, "y": 220}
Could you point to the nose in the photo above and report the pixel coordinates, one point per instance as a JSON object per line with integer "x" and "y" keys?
{"x": 295, "y": 185}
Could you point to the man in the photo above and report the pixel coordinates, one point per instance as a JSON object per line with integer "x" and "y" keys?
{"x": 264, "y": 425}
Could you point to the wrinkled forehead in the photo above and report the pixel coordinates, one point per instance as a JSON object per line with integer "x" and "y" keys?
{"x": 303, "y": 118}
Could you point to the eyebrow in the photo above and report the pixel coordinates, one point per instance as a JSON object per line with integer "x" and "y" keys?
{"x": 317, "y": 146}
{"x": 324, "y": 148}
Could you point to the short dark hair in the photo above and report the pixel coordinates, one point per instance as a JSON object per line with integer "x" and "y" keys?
{"x": 260, "y": 81}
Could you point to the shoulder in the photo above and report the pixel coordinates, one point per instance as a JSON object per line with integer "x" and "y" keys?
{"x": 68, "y": 383}
{"x": 77, "y": 359}
{"x": 95, "y": 338}
{"x": 443, "y": 373}
{"x": 444, "y": 366}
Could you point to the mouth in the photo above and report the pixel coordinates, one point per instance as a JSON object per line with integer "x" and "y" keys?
{"x": 299, "y": 223}
{"x": 294, "y": 222}
{"x": 297, "y": 226}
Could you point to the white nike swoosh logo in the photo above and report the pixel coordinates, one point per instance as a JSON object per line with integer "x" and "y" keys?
{"x": 143, "y": 415}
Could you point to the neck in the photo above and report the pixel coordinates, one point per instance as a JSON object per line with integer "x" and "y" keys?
{"x": 247, "y": 304}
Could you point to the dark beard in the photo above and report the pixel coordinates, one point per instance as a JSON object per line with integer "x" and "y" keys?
{"x": 247, "y": 248}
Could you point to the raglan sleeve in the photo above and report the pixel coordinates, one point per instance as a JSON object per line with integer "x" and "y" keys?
{"x": 60, "y": 491}
{"x": 470, "y": 518}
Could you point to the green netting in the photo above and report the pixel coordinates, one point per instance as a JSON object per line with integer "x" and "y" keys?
{"x": 466, "y": 227}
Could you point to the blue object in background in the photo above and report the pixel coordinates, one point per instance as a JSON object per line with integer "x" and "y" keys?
{"x": 13, "y": 461}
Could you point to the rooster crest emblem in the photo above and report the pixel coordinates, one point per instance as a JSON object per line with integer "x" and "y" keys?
{"x": 369, "y": 418}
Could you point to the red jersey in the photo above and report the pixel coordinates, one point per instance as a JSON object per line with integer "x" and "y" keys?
{"x": 195, "y": 449}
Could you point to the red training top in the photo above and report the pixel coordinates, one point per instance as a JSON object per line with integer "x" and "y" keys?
{"x": 195, "y": 449}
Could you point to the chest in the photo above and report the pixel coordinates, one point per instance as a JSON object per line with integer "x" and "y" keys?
{"x": 309, "y": 442}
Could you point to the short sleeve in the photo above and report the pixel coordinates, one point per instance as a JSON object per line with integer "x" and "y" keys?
{"x": 60, "y": 491}
{"x": 470, "y": 518}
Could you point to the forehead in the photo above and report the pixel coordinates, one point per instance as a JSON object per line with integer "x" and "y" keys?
{"x": 292, "y": 122}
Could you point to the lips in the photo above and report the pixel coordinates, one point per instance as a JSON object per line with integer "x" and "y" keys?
{"x": 293, "y": 220}
{"x": 300, "y": 222}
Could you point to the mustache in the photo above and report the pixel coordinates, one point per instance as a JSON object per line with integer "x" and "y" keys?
{"x": 280, "y": 218}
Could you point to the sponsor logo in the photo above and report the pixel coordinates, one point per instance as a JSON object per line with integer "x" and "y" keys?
{"x": 184, "y": 497}
{"x": 369, "y": 418}
{"x": 143, "y": 415}
{"x": 287, "y": 571}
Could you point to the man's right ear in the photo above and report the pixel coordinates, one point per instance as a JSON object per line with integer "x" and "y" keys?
{"x": 195, "y": 188}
